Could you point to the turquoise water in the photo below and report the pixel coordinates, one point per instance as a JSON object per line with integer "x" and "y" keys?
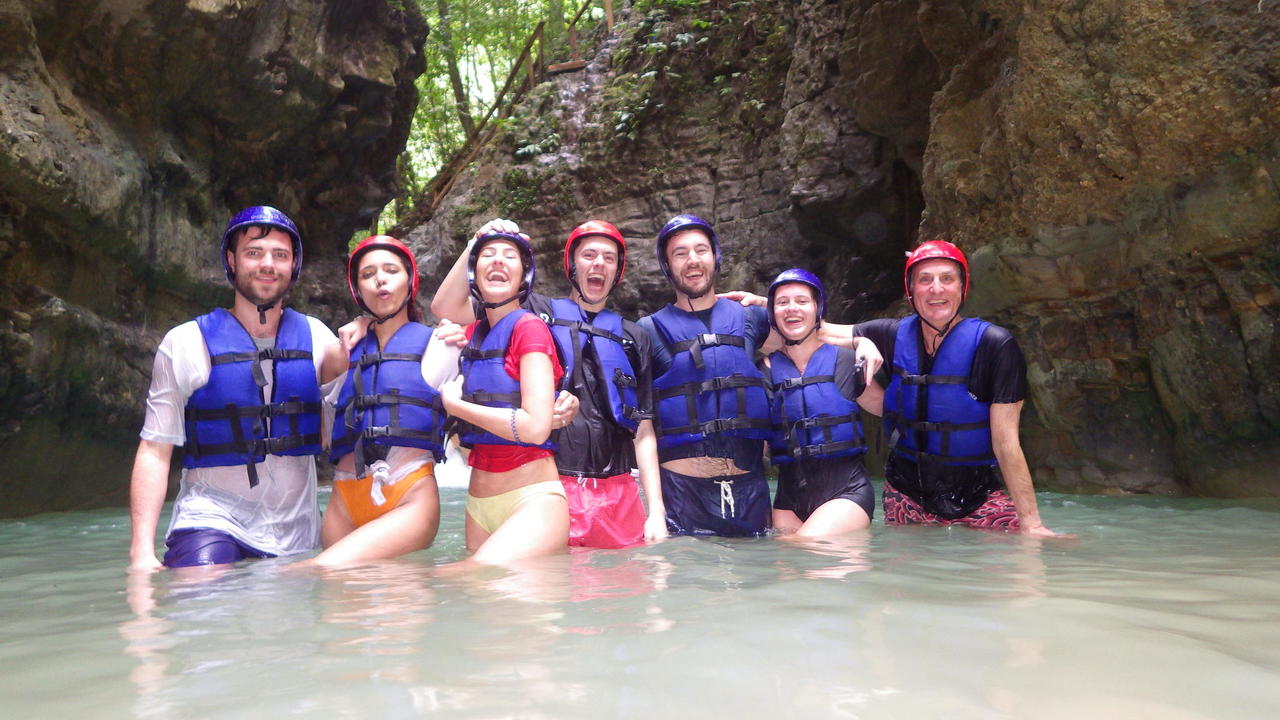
{"x": 1161, "y": 609}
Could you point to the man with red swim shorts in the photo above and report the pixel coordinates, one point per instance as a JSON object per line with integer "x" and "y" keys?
{"x": 607, "y": 369}
{"x": 951, "y": 406}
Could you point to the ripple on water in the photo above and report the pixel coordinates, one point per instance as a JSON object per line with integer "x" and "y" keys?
{"x": 1164, "y": 607}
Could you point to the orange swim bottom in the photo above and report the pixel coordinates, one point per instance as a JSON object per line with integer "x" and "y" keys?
{"x": 360, "y": 506}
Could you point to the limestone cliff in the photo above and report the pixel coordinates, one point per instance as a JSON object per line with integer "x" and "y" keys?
{"x": 129, "y": 133}
{"x": 1111, "y": 167}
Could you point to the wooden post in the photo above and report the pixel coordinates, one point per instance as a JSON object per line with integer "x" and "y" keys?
{"x": 542, "y": 51}
{"x": 608, "y": 14}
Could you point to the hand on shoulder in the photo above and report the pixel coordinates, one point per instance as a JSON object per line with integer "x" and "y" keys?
{"x": 747, "y": 299}
{"x": 451, "y": 333}
{"x": 353, "y": 332}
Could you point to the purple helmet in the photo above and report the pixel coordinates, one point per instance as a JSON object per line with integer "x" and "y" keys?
{"x": 798, "y": 275}
{"x": 262, "y": 215}
{"x": 526, "y": 255}
{"x": 675, "y": 225}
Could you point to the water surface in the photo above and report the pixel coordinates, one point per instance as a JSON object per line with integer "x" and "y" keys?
{"x": 1161, "y": 609}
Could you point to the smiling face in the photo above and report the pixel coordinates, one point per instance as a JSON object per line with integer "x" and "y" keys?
{"x": 692, "y": 260}
{"x": 937, "y": 288}
{"x": 382, "y": 281}
{"x": 262, "y": 266}
{"x": 595, "y": 266}
{"x": 795, "y": 310}
{"x": 499, "y": 270}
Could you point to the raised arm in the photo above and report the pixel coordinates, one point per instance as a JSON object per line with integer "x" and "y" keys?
{"x": 452, "y": 300}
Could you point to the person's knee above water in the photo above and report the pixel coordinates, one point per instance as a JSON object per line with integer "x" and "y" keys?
{"x": 710, "y": 398}
{"x": 818, "y": 443}
{"x": 241, "y": 389}
{"x": 951, "y": 406}
{"x": 506, "y": 394}
{"x": 388, "y": 428}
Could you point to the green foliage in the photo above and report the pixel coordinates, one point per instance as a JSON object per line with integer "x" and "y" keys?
{"x": 522, "y": 193}
{"x": 485, "y": 39}
{"x": 730, "y": 56}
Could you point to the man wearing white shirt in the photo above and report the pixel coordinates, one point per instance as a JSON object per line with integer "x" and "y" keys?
{"x": 241, "y": 389}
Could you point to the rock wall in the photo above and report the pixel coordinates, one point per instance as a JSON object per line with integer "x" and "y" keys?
{"x": 1110, "y": 166}
{"x": 670, "y": 116}
{"x": 129, "y": 133}
{"x": 1113, "y": 166}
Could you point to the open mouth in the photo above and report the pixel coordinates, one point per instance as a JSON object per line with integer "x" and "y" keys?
{"x": 794, "y": 324}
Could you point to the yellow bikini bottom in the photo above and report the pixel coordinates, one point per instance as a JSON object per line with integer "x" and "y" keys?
{"x": 360, "y": 506}
{"x": 490, "y": 512}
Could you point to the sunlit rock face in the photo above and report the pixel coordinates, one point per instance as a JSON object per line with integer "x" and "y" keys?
{"x": 129, "y": 133}
{"x": 1112, "y": 168}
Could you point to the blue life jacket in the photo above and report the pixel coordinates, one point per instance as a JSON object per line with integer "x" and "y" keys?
{"x": 485, "y": 380}
{"x": 601, "y": 338}
{"x": 385, "y": 401}
{"x": 228, "y": 420}
{"x": 934, "y": 416}
{"x": 712, "y": 385}
{"x": 812, "y": 418}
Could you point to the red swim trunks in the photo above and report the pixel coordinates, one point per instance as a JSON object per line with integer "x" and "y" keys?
{"x": 997, "y": 513}
{"x": 604, "y": 512}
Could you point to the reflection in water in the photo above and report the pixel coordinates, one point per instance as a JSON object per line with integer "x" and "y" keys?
{"x": 1161, "y": 608}
{"x": 850, "y": 552}
{"x": 147, "y": 638}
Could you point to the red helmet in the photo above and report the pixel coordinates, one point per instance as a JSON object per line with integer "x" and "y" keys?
{"x": 381, "y": 242}
{"x": 933, "y": 250}
{"x": 595, "y": 228}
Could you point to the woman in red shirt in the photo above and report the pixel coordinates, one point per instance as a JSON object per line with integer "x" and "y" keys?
{"x": 516, "y": 505}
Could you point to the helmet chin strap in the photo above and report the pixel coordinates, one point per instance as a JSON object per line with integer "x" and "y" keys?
{"x": 379, "y": 320}
{"x": 812, "y": 330}
{"x": 946, "y": 327}
{"x": 500, "y": 303}
{"x": 573, "y": 280}
{"x": 691, "y": 297}
{"x": 262, "y": 310}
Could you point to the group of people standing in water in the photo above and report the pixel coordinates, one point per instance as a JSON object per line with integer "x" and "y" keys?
{"x": 567, "y": 409}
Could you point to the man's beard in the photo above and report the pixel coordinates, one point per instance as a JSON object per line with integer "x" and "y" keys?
{"x": 708, "y": 281}
{"x": 244, "y": 286}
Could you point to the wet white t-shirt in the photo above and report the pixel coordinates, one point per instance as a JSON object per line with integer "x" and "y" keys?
{"x": 280, "y": 516}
